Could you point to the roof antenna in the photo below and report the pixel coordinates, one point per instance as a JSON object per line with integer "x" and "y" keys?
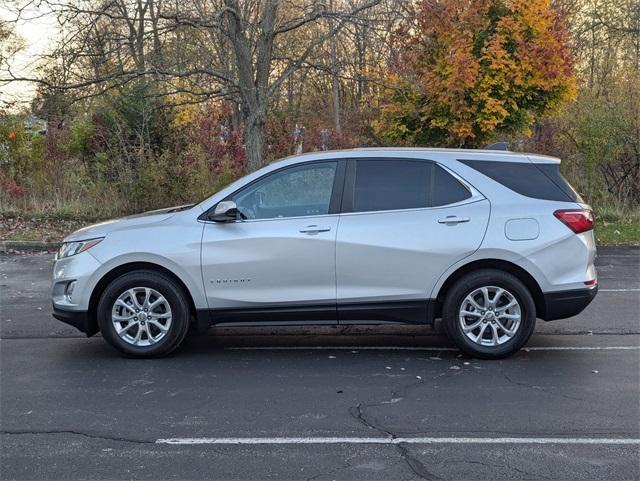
{"x": 498, "y": 146}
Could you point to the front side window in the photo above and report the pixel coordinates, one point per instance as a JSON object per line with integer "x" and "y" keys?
{"x": 303, "y": 190}
{"x": 403, "y": 184}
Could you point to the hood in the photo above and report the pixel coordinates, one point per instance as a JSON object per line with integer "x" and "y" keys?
{"x": 101, "y": 229}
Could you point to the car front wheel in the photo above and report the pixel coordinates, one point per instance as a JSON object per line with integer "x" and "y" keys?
{"x": 143, "y": 314}
{"x": 489, "y": 314}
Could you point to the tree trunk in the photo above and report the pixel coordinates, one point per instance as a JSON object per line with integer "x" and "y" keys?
{"x": 254, "y": 142}
{"x": 335, "y": 91}
{"x": 335, "y": 82}
{"x": 236, "y": 121}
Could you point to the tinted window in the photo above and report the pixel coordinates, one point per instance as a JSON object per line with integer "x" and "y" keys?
{"x": 540, "y": 181}
{"x": 403, "y": 184}
{"x": 298, "y": 191}
{"x": 552, "y": 171}
{"x": 446, "y": 189}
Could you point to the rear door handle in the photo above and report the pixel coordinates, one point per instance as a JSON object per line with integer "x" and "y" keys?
{"x": 314, "y": 229}
{"x": 452, "y": 219}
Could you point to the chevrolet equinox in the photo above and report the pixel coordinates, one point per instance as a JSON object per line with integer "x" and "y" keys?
{"x": 487, "y": 241}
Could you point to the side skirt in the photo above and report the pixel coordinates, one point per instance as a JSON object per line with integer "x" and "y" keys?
{"x": 411, "y": 312}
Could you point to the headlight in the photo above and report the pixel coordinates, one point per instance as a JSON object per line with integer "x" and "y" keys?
{"x": 72, "y": 248}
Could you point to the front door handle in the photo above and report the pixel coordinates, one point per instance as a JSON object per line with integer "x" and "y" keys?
{"x": 314, "y": 229}
{"x": 452, "y": 219}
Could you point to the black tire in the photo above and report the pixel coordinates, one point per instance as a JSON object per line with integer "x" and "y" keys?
{"x": 475, "y": 280}
{"x": 168, "y": 288}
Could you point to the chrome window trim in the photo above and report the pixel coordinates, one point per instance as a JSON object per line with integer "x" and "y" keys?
{"x": 251, "y": 221}
{"x": 470, "y": 200}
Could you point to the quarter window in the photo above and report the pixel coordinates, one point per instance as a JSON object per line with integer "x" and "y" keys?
{"x": 445, "y": 188}
{"x": 539, "y": 181}
{"x": 303, "y": 190}
{"x": 403, "y": 184}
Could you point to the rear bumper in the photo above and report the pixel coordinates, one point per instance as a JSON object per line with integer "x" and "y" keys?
{"x": 78, "y": 319}
{"x": 563, "y": 304}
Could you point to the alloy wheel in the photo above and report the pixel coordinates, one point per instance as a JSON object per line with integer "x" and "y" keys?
{"x": 490, "y": 316}
{"x": 141, "y": 316}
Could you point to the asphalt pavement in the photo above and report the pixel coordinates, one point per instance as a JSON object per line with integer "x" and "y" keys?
{"x": 346, "y": 403}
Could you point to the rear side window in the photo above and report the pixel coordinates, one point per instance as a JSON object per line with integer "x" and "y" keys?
{"x": 403, "y": 184}
{"x": 539, "y": 181}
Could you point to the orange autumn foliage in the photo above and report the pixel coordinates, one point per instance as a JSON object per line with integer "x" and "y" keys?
{"x": 468, "y": 70}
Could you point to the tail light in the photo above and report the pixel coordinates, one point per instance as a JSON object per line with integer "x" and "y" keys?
{"x": 578, "y": 220}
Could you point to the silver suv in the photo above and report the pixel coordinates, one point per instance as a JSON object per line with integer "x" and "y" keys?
{"x": 488, "y": 241}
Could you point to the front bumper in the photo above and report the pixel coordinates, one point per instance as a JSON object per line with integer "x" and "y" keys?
{"x": 81, "y": 320}
{"x": 73, "y": 307}
{"x": 563, "y": 304}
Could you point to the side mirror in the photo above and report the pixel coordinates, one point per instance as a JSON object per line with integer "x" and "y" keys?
{"x": 226, "y": 211}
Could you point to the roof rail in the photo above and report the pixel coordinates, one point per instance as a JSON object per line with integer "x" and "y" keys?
{"x": 498, "y": 146}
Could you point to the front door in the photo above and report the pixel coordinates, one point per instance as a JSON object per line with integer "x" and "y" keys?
{"x": 279, "y": 261}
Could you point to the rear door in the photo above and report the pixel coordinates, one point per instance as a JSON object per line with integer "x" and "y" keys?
{"x": 404, "y": 222}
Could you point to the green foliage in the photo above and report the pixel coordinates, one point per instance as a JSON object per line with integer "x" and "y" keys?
{"x": 81, "y": 134}
{"x": 123, "y": 153}
{"x": 597, "y": 140}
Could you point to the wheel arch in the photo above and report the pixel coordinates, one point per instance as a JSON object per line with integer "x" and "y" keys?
{"x": 525, "y": 277}
{"x": 121, "y": 269}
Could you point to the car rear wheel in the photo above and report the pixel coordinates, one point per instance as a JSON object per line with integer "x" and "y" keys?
{"x": 143, "y": 314}
{"x": 489, "y": 314}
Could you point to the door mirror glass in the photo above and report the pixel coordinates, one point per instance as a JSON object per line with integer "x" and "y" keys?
{"x": 226, "y": 211}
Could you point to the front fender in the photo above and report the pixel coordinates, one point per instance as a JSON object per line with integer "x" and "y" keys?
{"x": 189, "y": 274}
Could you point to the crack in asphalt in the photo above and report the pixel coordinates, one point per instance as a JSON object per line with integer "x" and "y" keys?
{"x": 357, "y": 413}
{"x": 540, "y": 388}
{"x": 418, "y": 468}
{"x": 76, "y": 433}
{"x": 415, "y": 465}
{"x": 396, "y": 395}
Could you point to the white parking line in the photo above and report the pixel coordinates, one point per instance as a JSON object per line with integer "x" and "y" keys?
{"x": 388, "y": 440}
{"x": 413, "y": 348}
{"x": 583, "y": 348}
{"x": 619, "y": 290}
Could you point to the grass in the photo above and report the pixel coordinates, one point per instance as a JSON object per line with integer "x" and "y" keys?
{"x": 618, "y": 226}
{"x": 614, "y": 226}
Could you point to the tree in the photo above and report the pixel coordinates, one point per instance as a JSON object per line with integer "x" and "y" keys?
{"x": 598, "y": 135}
{"x": 241, "y": 51}
{"x": 606, "y": 40}
{"x": 466, "y": 71}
